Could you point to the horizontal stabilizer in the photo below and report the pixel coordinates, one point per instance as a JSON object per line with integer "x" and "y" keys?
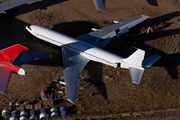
{"x": 147, "y": 62}
{"x": 136, "y": 74}
{"x": 30, "y": 57}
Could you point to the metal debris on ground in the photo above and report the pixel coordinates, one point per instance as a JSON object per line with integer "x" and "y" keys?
{"x": 15, "y": 114}
{"x": 56, "y": 97}
{"x": 61, "y": 91}
{"x": 54, "y": 114}
{"x": 17, "y": 103}
{"x": 148, "y": 29}
{"x": 33, "y": 117}
{"x": 5, "y": 112}
{"x": 26, "y": 102}
{"x": 10, "y": 103}
{"x": 24, "y": 113}
{"x": 43, "y": 97}
{"x": 19, "y": 108}
{"x": 57, "y": 79}
{"x": 48, "y": 96}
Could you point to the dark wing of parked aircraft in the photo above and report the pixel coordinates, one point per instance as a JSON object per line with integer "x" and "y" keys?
{"x": 21, "y": 59}
{"x": 15, "y": 3}
{"x": 74, "y": 63}
{"x": 100, "y": 4}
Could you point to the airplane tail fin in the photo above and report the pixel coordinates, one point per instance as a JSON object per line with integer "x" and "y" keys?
{"x": 136, "y": 58}
{"x": 138, "y": 64}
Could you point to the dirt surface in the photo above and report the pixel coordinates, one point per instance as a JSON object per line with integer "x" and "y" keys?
{"x": 103, "y": 89}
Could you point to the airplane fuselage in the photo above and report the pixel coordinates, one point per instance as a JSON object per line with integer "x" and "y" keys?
{"x": 87, "y": 50}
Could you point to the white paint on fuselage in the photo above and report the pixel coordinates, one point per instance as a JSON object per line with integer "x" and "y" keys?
{"x": 87, "y": 50}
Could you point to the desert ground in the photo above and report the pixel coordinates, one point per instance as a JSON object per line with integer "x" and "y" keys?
{"x": 103, "y": 90}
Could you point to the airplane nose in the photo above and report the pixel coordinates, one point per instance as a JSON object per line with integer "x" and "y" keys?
{"x": 22, "y": 71}
{"x": 28, "y": 28}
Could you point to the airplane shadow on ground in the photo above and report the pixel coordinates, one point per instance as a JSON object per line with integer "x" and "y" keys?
{"x": 12, "y": 30}
{"x": 12, "y": 27}
{"x": 168, "y": 61}
{"x": 95, "y": 73}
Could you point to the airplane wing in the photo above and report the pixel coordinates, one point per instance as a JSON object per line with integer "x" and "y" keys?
{"x": 30, "y": 57}
{"x": 100, "y": 4}
{"x": 101, "y": 37}
{"x": 5, "y": 75}
{"x": 73, "y": 63}
{"x": 9, "y": 54}
{"x": 15, "y": 3}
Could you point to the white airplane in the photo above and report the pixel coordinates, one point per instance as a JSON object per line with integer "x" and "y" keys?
{"x": 15, "y": 3}
{"x": 77, "y": 52}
